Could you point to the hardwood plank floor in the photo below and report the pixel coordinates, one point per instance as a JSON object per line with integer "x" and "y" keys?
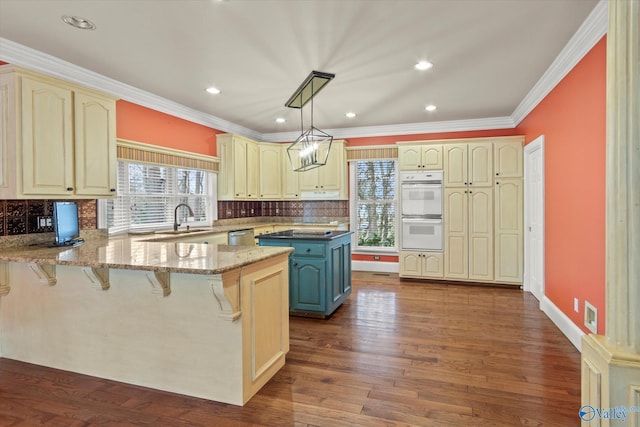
{"x": 397, "y": 353}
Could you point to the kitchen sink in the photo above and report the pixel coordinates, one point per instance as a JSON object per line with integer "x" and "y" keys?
{"x": 183, "y": 231}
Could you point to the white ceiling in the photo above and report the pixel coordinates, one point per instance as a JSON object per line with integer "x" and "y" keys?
{"x": 487, "y": 54}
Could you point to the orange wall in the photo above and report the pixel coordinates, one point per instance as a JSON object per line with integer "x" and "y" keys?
{"x": 142, "y": 124}
{"x": 572, "y": 120}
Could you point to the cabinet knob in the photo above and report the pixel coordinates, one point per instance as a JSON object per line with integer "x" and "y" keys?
{"x": 471, "y": 183}
{"x": 237, "y": 194}
{"x": 308, "y": 250}
{"x": 69, "y": 188}
{"x": 466, "y": 183}
{"x": 497, "y": 173}
{"x": 295, "y": 264}
{"x": 113, "y": 190}
{"x": 497, "y": 183}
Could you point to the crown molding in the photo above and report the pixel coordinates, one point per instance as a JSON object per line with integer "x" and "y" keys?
{"x": 589, "y": 33}
{"x": 23, "y": 56}
{"x": 404, "y": 129}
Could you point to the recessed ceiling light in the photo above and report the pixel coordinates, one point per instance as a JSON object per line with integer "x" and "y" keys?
{"x": 280, "y": 120}
{"x": 213, "y": 90}
{"x": 78, "y": 22}
{"x": 423, "y": 65}
{"x": 430, "y": 108}
{"x": 350, "y": 114}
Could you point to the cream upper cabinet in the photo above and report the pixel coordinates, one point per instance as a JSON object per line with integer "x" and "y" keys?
{"x": 253, "y": 170}
{"x": 290, "y": 178}
{"x": 414, "y": 157}
{"x": 60, "y": 139}
{"x": 96, "y": 157}
{"x": 468, "y": 165}
{"x": 509, "y": 230}
{"x": 270, "y": 171}
{"x": 239, "y": 167}
{"x": 421, "y": 264}
{"x": 508, "y": 159}
{"x": 330, "y": 177}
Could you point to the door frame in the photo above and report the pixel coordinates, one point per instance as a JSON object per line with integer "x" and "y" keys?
{"x": 529, "y": 149}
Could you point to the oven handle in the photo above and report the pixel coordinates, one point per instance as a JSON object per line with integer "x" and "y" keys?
{"x": 423, "y": 220}
{"x": 422, "y": 184}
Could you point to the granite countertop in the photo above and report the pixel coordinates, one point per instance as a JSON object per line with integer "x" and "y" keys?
{"x": 130, "y": 254}
{"x": 312, "y": 234}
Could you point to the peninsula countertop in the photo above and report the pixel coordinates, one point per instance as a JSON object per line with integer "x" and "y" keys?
{"x": 131, "y": 254}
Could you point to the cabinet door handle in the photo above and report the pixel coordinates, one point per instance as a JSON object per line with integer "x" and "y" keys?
{"x": 113, "y": 190}
{"x": 69, "y": 188}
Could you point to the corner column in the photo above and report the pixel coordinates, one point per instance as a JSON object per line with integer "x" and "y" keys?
{"x": 611, "y": 363}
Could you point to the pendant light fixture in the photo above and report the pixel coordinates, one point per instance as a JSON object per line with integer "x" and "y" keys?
{"x": 311, "y": 149}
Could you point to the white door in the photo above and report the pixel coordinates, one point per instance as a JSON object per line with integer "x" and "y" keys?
{"x": 534, "y": 217}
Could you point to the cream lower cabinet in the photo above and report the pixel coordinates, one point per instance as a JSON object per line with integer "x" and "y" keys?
{"x": 509, "y": 237}
{"x": 59, "y": 139}
{"x": 468, "y": 234}
{"x": 421, "y": 264}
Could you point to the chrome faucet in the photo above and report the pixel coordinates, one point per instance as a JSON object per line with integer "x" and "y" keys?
{"x": 176, "y": 224}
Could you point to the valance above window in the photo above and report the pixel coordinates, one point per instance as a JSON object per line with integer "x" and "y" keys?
{"x": 150, "y": 154}
{"x": 381, "y": 152}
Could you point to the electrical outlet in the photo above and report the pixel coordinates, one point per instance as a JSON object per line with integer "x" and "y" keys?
{"x": 376, "y": 257}
{"x": 591, "y": 317}
{"x": 44, "y": 221}
{"x": 252, "y": 211}
{"x": 277, "y": 210}
{"x": 576, "y": 305}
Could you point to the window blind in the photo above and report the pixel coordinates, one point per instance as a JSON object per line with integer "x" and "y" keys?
{"x": 376, "y": 204}
{"x": 148, "y": 195}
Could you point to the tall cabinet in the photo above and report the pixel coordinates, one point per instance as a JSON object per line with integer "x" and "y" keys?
{"x": 468, "y": 211}
{"x": 58, "y": 139}
{"x": 483, "y": 210}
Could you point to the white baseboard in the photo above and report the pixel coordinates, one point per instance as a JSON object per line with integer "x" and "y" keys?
{"x": 375, "y": 266}
{"x": 566, "y": 325}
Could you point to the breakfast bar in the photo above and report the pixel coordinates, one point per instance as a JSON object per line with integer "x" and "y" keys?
{"x": 208, "y": 321}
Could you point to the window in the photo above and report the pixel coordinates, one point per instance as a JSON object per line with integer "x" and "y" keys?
{"x": 148, "y": 195}
{"x": 374, "y": 206}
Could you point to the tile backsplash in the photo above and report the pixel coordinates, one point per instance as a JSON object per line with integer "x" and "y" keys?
{"x": 284, "y": 208}
{"x": 21, "y": 216}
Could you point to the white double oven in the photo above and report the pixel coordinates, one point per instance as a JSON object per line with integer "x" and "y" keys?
{"x": 421, "y": 201}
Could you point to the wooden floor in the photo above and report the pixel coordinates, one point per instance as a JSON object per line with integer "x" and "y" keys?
{"x": 398, "y": 353}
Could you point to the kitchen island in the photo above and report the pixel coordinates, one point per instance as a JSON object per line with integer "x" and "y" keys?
{"x": 319, "y": 268}
{"x": 208, "y": 321}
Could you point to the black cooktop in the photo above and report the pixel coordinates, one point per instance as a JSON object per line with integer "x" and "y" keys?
{"x": 304, "y": 234}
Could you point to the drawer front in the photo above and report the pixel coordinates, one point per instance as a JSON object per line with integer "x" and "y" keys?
{"x": 309, "y": 249}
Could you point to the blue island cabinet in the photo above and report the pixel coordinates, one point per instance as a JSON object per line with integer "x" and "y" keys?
{"x": 319, "y": 269}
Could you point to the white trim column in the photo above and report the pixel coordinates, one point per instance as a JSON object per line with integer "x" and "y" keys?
{"x": 611, "y": 363}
